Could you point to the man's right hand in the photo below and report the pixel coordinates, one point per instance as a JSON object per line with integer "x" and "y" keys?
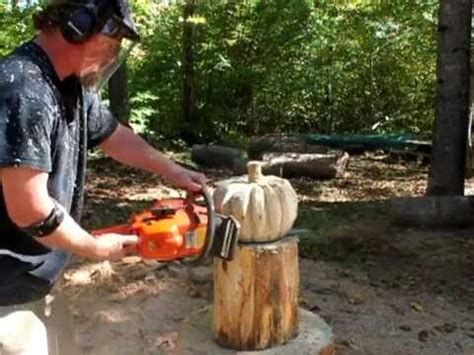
{"x": 113, "y": 247}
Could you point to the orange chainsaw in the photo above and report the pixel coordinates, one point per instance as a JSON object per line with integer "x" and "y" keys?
{"x": 181, "y": 229}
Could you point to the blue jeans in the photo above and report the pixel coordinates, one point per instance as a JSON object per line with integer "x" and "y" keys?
{"x": 26, "y": 278}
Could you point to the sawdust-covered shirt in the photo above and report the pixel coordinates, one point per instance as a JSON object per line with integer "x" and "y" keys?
{"x": 46, "y": 124}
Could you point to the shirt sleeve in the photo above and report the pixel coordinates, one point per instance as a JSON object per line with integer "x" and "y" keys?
{"x": 101, "y": 123}
{"x": 26, "y": 124}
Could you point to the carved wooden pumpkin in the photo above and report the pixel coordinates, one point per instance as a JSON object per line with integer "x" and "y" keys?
{"x": 265, "y": 206}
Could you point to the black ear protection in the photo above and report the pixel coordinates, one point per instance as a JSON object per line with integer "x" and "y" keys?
{"x": 84, "y": 21}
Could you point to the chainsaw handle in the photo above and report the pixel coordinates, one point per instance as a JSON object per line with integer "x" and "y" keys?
{"x": 211, "y": 224}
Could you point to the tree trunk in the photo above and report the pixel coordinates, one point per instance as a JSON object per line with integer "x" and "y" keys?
{"x": 452, "y": 111}
{"x": 256, "y": 296}
{"x": 118, "y": 94}
{"x": 470, "y": 146}
{"x": 190, "y": 112}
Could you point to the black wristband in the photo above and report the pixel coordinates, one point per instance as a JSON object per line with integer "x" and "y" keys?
{"x": 48, "y": 225}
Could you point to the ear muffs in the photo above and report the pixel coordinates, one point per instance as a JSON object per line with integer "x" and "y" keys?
{"x": 85, "y": 20}
{"x": 79, "y": 26}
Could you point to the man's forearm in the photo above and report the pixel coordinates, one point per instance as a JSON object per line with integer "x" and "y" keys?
{"x": 128, "y": 148}
{"x": 28, "y": 203}
{"x": 71, "y": 237}
{"x": 32, "y": 209}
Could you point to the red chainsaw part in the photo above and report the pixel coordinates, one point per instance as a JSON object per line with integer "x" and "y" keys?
{"x": 170, "y": 230}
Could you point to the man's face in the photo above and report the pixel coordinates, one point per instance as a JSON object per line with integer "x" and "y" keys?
{"x": 99, "y": 54}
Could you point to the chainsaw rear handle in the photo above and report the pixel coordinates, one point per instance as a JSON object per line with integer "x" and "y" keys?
{"x": 211, "y": 225}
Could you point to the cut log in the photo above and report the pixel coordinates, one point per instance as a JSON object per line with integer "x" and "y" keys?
{"x": 256, "y": 296}
{"x": 318, "y": 166}
{"x": 215, "y": 156}
{"x": 433, "y": 211}
{"x": 321, "y": 166}
{"x": 281, "y": 144}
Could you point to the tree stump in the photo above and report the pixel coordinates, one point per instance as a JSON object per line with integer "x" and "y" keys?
{"x": 256, "y": 296}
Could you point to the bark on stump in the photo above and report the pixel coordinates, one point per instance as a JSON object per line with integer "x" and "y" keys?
{"x": 256, "y": 296}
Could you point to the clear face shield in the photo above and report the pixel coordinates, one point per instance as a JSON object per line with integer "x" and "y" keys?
{"x": 104, "y": 54}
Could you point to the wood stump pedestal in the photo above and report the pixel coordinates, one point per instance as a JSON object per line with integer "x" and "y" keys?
{"x": 256, "y": 296}
{"x": 256, "y": 307}
{"x": 315, "y": 337}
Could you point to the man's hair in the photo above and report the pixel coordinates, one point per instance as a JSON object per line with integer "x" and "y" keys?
{"x": 51, "y": 17}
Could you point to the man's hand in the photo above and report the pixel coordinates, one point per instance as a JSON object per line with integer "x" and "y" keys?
{"x": 186, "y": 179}
{"x": 113, "y": 246}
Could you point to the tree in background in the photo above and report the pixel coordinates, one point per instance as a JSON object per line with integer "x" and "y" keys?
{"x": 447, "y": 171}
{"x": 189, "y": 100}
{"x": 118, "y": 94}
{"x": 269, "y": 67}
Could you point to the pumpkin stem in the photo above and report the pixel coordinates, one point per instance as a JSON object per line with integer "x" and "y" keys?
{"x": 254, "y": 169}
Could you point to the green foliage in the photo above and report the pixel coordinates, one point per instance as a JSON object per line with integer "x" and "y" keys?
{"x": 155, "y": 70}
{"x": 15, "y": 25}
{"x": 281, "y": 66}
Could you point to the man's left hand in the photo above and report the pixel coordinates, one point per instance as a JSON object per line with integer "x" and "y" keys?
{"x": 187, "y": 179}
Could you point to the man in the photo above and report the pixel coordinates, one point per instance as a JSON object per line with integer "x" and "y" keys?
{"x": 50, "y": 116}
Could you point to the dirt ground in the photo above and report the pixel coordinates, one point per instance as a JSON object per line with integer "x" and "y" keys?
{"x": 383, "y": 290}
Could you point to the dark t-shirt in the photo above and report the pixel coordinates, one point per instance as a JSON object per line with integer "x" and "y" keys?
{"x": 46, "y": 124}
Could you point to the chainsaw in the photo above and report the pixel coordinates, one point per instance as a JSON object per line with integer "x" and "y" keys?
{"x": 181, "y": 229}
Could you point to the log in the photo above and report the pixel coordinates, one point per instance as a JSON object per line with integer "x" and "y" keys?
{"x": 215, "y": 156}
{"x": 321, "y": 166}
{"x": 256, "y": 296}
{"x": 318, "y": 166}
{"x": 432, "y": 211}
{"x": 258, "y": 146}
